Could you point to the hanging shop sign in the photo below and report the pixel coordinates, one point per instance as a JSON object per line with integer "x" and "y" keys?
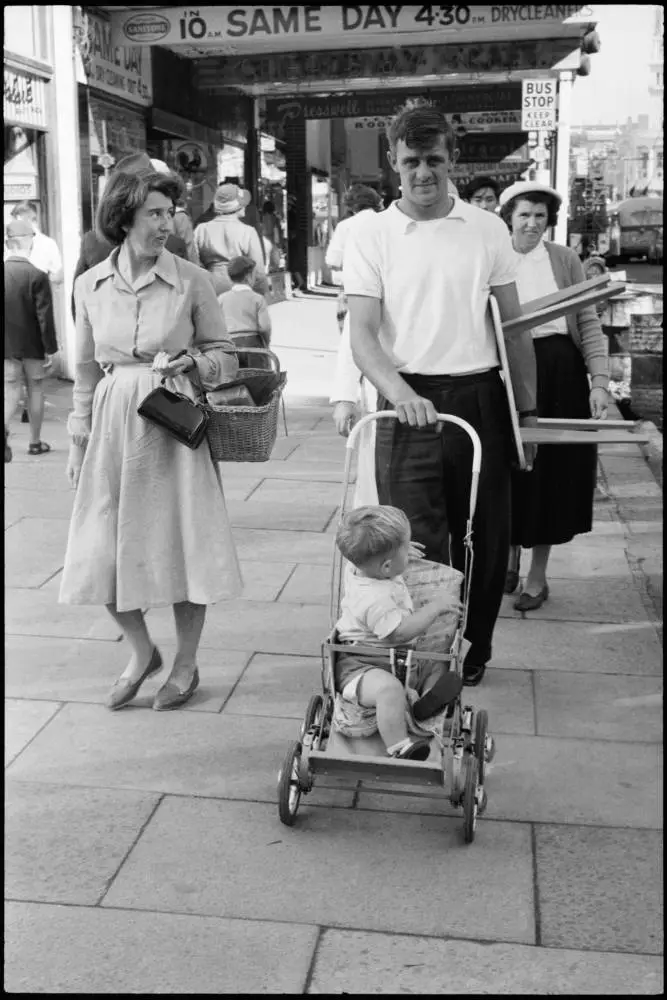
{"x": 538, "y": 104}
{"x": 115, "y": 66}
{"x": 504, "y": 173}
{"x": 349, "y": 64}
{"x": 114, "y": 130}
{"x": 24, "y": 99}
{"x": 496, "y": 148}
{"x": 461, "y": 100}
{"x": 231, "y": 30}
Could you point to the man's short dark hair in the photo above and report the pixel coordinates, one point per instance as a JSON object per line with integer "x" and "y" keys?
{"x": 420, "y": 124}
{"x": 239, "y": 268}
{"x": 535, "y": 198}
{"x": 125, "y": 194}
{"x": 477, "y": 183}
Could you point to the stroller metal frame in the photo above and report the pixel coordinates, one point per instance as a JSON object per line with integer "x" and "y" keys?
{"x": 458, "y": 755}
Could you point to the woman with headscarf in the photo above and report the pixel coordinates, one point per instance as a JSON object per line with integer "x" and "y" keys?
{"x": 554, "y": 502}
{"x": 217, "y": 242}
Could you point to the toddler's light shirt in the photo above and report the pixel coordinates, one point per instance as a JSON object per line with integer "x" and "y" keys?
{"x": 372, "y": 609}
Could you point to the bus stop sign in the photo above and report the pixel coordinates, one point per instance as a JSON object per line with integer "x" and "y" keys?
{"x": 538, "y": 105}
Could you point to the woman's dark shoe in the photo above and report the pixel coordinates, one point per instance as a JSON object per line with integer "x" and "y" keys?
{"x": 125, "y": 690}
{"x": 511, "y": 581}
{"x": 526, "y": 602}
{"x": 473, "y": 673}
{"x": 41, "y": 448}
{"x": 170, "y": 697}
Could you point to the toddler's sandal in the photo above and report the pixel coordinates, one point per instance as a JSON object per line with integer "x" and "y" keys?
{"x": 40, "y": 448}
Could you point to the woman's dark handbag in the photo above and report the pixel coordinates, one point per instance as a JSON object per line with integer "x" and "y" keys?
{"x": 176, "y": 413}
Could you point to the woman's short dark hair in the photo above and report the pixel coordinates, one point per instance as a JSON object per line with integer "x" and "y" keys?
{"x": 125, "y": 194}
{"x": 535, "y": 198}
{"x": 477, "y": 183}
{"x": 420, "y": 124}
{"x": 360, "y": 196}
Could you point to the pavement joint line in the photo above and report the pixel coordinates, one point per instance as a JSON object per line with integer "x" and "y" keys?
{"x": 112, "y": 878}
{"x": 253, "y": 490}
{"x": 313, "y": 961}
{"x": 72, "y": 638}
{"x": 334, "y": 514}
{"x": 282, "y": 589}
{"x": 325, "y": 928}
{"x": 271, "y": 803}
{"x": 236, "y": 683}
{"x": 59, "y": 707}
{"x": 536, "y": 887}
{"x": 533, "y": 693}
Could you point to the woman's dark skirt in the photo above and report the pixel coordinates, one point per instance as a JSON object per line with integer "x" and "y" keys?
{"x": 554, "y": 502}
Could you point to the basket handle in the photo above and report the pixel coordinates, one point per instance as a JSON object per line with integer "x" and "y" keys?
{"x": 261, "y": 350}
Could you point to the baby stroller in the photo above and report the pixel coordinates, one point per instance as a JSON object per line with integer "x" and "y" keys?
{"x": 461, "y": 746}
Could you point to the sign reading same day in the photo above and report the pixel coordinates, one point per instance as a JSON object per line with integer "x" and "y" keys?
{"x": 538, "y": 105}
{"x": 239, "y": 29}
{"x": 116, "y": 67}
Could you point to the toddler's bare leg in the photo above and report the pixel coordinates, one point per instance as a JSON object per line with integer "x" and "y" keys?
{"x": 380, "y": 690}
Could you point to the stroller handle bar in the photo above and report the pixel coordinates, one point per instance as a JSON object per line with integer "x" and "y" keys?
{"x": 442, "y": 418}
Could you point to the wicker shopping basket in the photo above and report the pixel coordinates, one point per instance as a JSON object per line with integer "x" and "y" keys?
{"x": 425, "y": 581}
{"x": 248, "y": 433}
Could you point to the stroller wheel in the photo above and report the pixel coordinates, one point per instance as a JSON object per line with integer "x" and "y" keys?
{"x": 481, "y": 730}
{"x": 470, "y": 799}
{"x": 313, "y": 714}
{"x": 289, "y": 786}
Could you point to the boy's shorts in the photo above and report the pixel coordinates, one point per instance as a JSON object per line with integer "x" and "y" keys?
{"x": 352, "y": 719}
{"x": 32, "y": 369}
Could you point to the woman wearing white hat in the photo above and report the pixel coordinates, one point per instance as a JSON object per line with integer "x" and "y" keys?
{"x": 554, "y": 502}
{"x": 225, "y": 237}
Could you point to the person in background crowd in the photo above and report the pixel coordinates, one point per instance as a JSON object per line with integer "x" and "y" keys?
{"x": 293, "y": 243}
{"x": 245, "y": 311}
{"x": 554, "y": 502}
{"x": 95, "y": 249}
{"x": 484, "y": 192}
{"x": 358, "y": 199}
{"x": 149, "y": 526}
{"x": 272, "y": 234}
{"x": 225, "y": 237}
{"x": 45, "y": 254}
{"x": 183, "y": 229}
{"x": 30, "y": 335}
{"x": 418, "y": 279}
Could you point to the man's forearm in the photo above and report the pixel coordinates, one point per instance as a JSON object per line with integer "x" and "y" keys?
{"x": 372, "y": 361}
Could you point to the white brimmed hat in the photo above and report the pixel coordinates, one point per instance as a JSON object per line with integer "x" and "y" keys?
{"x": 230, "y": 199}
{"x": 522, "y": 188}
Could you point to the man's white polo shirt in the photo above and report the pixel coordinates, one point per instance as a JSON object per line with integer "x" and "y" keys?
{"x": 434, "y": 280}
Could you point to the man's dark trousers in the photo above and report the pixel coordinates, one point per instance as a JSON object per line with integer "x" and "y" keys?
{"x": 428, "y": 475}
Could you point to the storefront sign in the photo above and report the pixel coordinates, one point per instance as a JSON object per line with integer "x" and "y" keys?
{"x": 462, "y": 100}
{"x": 481, "y": 121}
{"x": 115, "y": 130}
{"x": 504, "y": 173}
{"x": 165, "y": 121}
{"x": 382, "y": 63}
{"x": 115, "y": 66}
{"x": 233, "y": 30}
{"x": 538, "y": 104}
{"x": 24, "y": 99}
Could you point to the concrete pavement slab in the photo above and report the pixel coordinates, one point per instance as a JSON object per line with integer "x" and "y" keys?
{"x": 62, "y": 845}
{"x": 36, "y": 612}
{"x": 23, "y": 721}
{"x": 276, "y": 687}
{"x": 361, "y": 870}
{"x": 363, "y": 963}
{"x": 265, "y": 545}
{"x": 583, "y": 561}
{"x": 600, "y": 889}
{"x": 297, "y": 629}
{"x": 30, "y": 504}
{"x": 34, "y": 551}
{"x": 309, "y": 582}
{"x": 545, "y": 780}
{"x": 585, "y": 647}
{"x": 315, "y": 471}
{"x": 600, "y": 707}
{"x": 287, "y": 516}
{"x": 83, "y": 671}
{"x": 65, "y": 949}
{"x": 181, "y": 753}
{"x": 607, "y": 600}
{"x": 29, "y": 476}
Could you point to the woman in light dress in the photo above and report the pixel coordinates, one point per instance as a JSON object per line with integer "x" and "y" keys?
{"x": 149, "y": 526}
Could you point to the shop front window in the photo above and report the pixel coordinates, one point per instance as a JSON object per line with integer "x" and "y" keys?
{"x": 25, "y": 31}
{"x": 23, "y": 149}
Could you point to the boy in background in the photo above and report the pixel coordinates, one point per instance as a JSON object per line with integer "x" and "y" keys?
{"x": 245, "y": 311}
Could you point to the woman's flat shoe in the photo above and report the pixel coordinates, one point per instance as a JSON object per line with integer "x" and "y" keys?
{"x": 125, "y": 690}
{"x": 511, "y": 581}
{"x": 170, "y": 697}
{"x": 526, "y": 602}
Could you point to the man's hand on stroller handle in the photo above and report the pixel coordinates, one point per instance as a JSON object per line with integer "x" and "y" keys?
{"x": 414, "y": 410}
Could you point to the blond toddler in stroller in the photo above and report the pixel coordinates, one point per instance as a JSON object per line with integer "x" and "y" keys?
{"x": 377, "y": 611}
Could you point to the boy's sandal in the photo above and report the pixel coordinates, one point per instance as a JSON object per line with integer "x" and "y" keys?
{"x": 40, "y": 448}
